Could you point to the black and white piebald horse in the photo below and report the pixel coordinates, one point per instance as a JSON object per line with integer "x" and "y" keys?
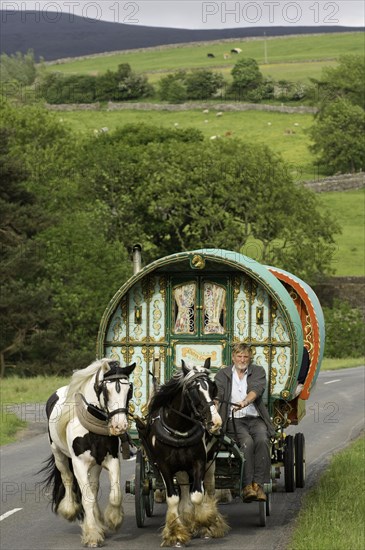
{"x": 85, "y": 419}
{"x": 181, "y": 418}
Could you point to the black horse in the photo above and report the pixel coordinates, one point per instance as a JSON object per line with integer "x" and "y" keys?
{"x": 181, "y": 420}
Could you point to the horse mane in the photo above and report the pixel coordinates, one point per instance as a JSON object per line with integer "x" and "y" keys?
{"x": 166, "y": 392}
{"x": 79, "y": 380}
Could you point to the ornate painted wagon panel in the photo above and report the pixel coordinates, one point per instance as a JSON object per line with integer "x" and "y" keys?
{"x": 312, "y": 319}
{"x": 196, "y": 304}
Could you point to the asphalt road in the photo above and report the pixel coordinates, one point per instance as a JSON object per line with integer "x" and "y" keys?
{"x": 335, "y": 416}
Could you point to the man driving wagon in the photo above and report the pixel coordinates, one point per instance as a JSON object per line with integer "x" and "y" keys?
{"x": 246, "y": 419}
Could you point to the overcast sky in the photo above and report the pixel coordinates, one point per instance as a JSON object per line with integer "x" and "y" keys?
{"x": 198, "y": 14}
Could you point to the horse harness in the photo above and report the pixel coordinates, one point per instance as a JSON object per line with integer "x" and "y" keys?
{"x": 94, "y": 418}
{"x": 176, "y": 438}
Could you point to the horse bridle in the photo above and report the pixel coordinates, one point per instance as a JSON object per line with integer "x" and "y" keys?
{"x": 101, "y": 389}
{"x": 190, "y": 382}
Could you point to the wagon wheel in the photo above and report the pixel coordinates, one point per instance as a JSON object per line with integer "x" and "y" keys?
{"x": 139, "y": 500}
{"x": 149, "y": 502}
{"x": 299, "y": 443}
{"x": 289, "y": 464}
{"x": 268, "y": 504}
{"x": 264, "y": 510}
{"x": 262, "y": 514}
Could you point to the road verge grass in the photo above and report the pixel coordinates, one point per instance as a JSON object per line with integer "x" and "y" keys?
{"x": 17, "y": 391}
{"x": 332, "y": 514}
{"x": 335, "y": 364}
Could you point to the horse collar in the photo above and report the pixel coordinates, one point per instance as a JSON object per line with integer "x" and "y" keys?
{"x": 175, "y": 438}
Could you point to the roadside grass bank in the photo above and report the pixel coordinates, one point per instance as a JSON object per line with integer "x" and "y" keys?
{"x": 332, "y": 513}
{"x": 16, "y": 391}
{"x": 335, "y": 364}
{"x": 348, "y": 209}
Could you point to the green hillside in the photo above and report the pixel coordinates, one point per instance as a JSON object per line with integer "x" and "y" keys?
{"x": 285, "y": 52}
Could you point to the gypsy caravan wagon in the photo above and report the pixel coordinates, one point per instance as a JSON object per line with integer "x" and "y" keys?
{"x": 194, "y": 305}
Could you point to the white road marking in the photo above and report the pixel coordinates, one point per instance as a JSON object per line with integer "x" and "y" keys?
{"x": 7, "y": 514}
{"x": 331, "y": 381}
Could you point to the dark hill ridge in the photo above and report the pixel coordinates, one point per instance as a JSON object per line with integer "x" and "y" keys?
{"x": 79, "y": 36}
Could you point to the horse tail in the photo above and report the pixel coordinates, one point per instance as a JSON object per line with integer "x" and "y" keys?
{"x": 53, "y": 481}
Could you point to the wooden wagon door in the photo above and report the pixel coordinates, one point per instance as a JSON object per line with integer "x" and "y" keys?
{"x": 198, "y": 320}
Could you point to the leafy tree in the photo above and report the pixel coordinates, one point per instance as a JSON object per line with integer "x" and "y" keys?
{"x": 339, "y": 137}
{"x": 130, "y": 84}
{"x": 172, "y": 195}
{"x": 247, "y": 78}
{"x": 58, "y": 89}
{"x": 120, "y": 85}
{"x": 106, "y": 86}
{"x": 290, "y": 91}
{"x": 203, "y": 84}
{"x": 226, "y": 194}
{"x": 172, "y": 88}
{"x": 24, "y": 303}
{"x": 18, "y": 67}
{"x": 84, "y": 269}
{"x": 345, "y": 81}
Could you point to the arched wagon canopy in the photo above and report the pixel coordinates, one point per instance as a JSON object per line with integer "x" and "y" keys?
{"x": 312, "y": 319}
{"x": 194, "y": 305}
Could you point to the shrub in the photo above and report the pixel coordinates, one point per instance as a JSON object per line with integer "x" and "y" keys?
{"x": 345, "y": 330}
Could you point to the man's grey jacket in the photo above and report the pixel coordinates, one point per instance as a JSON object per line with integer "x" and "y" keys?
{"x": 256, "y": 381}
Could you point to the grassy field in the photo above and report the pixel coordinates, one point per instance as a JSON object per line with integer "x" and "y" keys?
{"x": 283, "y": 133}
{"x": 348, "y": 208}
{"x": 282, "y": 51}
{"x": 332, "y": 514}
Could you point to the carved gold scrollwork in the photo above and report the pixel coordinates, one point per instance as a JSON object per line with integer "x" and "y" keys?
{"x": 125, "y": 354}
{"x": 162, "y": 282}
{"x": 273, "y": 376}
{"x": 117, "y": 329}
{"x": 148, "y": 288}
{"x": 253, "y": 291}
{"x": 137, "y": 381}
{"x": 280, "y": 331}
{"x": 282, "y": 360}
{"x": 156, "y": 316}
{"x": 282, "y": 410}
{"x": 123, "y": 308}
{"x": 308, "y": 334}
{"x": 236, "y": 288}
{"x": 241, "y": 314}
{"x": 114, "y": 354}
{"x": 274, "y": 310}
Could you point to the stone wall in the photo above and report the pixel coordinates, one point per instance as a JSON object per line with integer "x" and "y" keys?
{"x": 127, "y": 105}
{"x": 340, "y": 182}
{"x": 229, "y": 106}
